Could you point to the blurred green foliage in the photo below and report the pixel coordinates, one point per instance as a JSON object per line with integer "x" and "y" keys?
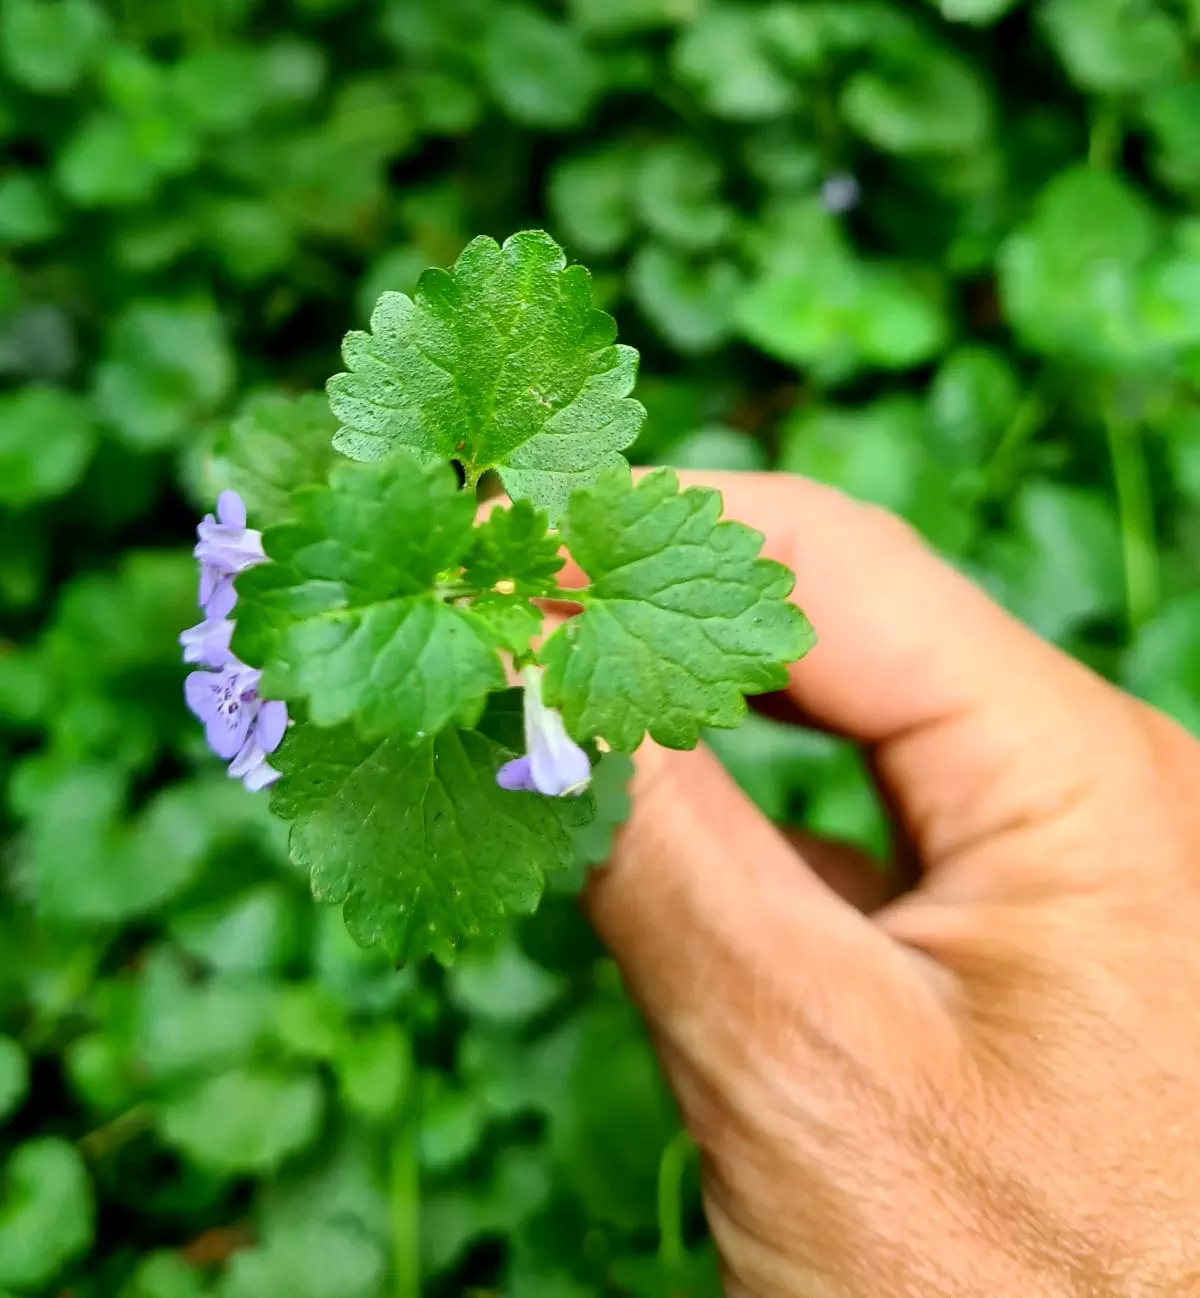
{"x": 206, "y": 1090}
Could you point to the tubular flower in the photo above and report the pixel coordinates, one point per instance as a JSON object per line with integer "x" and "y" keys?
{"x": 554, "y": 765}
{"x": 226, "y": 546}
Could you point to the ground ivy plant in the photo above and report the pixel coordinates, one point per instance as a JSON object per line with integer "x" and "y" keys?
{"x": 382, "y": 613}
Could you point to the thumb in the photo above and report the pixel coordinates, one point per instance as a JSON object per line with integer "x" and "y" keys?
{"x": 727, "y": 939}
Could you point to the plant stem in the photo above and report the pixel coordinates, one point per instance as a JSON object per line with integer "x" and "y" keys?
{"x": 1104, "y": 139}
{"x": 671, "y": 1169}
{"x": 404, "y": 1201}
{"x": 1030, "y": 415}
{"x": 1135, "y": 507}
{"x": 122, "y": 1129}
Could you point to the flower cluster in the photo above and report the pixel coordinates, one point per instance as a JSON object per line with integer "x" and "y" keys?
{"x": 240, "y": 727}
{"x": 554, "y": 764}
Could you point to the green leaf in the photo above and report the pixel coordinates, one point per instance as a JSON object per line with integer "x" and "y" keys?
{"x": 724, "y": 56}
{"x": 309, "y": 1259}
{"x": 375, "y": 1072}
{"x": 540, "y": 72}
{"x": 503, "y": 986}
{"x": 624, "y": 17}
{"x": 1163, "y": 664}
{"x": 274, "y": 446}
{"x": 168, "y": 363}
{"x": 14, "y": 1077}
{"x": 88, "y": 866}
{"x": 28, "y": 212}
{"x": 47, "y": 1213}
{"x": 183, "y": 1029}
{"x": 978, "y": 12}
{"x": 815, "y": 304}
{"x": 1172, "y": 113}
{"x": 772, "y": 762}
{"x": 611, "y": 1115}
{"x": 677, "y": 196}
{"x": 349, "y": 614}
{"x": 1069, "y": 278}
{"x": 46, "y": 45}
{"x": 690, "y": 303}
{"x": 245, "y": 1121}
{"x": 612, "y": 775}
{"x": 932, "y": 102}
{"x": 880, "y": 453}
{"x": 109, "y": 658}
{"x": 452, "y": 1124}
{"x": 1061, "y": 565}
{"x": 592, "y": 196}
{"x": 1112, "y": 46}
{"x": 419, "y": 844}
{"x": 681, "y": 620}
{"x": 513, "y": 560}
{"x": 513, "y": 546}
{"x": 256, "y": 931}
{"x": 164, "y": 1275}
{"x": 715, "y": 448}
{"x": 974, "y": 397}
{"x": 502, "y": 363}
{"x": 46, "y": 440}
{"x": 104, "y": 164}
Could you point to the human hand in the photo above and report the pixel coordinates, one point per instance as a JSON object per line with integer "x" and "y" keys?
{"x": 989, "y": 1086}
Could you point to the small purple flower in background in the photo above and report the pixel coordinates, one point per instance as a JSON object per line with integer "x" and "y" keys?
{"x": 240, "y": 727}
{"x": 840, "y": 193}
{"x": 225, "y": 548}
{"x": 554, "y": 764}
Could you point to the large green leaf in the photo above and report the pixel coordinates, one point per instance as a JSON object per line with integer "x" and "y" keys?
{"x": 352, "y": 615}
{"x": 418, "y": 843}
{"x": 681, "y": 619}
{"x": 502, "y": 363}
{"x": 47, "y": 1212}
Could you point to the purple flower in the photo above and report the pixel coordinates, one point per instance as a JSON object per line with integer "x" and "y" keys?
{"x": 238, "y": 725}
{"x": 554, "y": 764}
{"x": 840, "y": 193}
{"x": 251, "y": 765}
{"x": 227, "y": 702}
{"x": 225, "y": 548}
{"x": 207, "y": 643}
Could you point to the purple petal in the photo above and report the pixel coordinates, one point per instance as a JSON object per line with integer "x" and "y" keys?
{"x": 516, "y": 776}
{"x": 559, "y": 770}
{"x": 222, "y": 597}
{"x": 271, "y": 725}
{"x": 208, "y": 643}
{"x": 231, "y": 510}
{"x": 227, "y": 702}
{"x": 202, "y": 691}
{"x": 249, "y": 756}
{"x": 227, "y": 550}
{"x": 260, "y": 777}
{"x": 209, "y": 577}
{"x": 252, "y": 768}
{"x": 226, "y": 731}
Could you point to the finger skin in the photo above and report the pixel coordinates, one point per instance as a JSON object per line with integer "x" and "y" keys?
{"x": 991, "y": 1089}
